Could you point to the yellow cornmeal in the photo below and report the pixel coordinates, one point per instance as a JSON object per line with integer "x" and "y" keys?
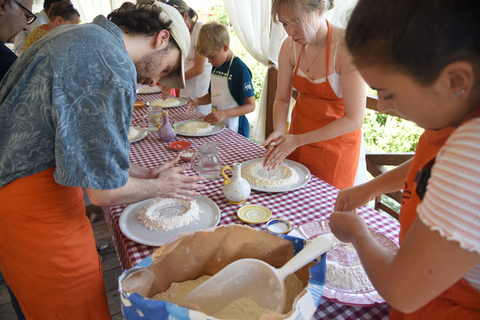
{"x": 196, "y": 127}
{"x": 258, "y": 176}
{"x": 243, "y": 308}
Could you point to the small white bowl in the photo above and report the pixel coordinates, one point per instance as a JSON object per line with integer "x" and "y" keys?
{"x": 279, "y": 226}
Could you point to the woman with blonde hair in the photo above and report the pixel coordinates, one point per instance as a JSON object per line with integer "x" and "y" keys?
{"x": 325, "y": 132}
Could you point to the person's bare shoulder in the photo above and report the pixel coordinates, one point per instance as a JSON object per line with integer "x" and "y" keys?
{"x": 290, "y": 49}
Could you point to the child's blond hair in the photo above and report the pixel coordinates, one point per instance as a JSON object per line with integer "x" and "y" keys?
{"x": 212, "y": 37}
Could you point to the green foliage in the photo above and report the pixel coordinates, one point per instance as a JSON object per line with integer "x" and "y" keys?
{"x": 384, "y": 133}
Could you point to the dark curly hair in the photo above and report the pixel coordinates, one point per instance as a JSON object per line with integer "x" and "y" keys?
{"x": 139, "y": 19}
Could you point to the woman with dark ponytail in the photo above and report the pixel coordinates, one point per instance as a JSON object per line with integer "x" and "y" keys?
{"x": 198, "y": 69}
{"x": 423, "y": 57}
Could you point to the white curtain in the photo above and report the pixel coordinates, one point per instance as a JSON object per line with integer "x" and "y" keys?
{"x": 89, "y": 9}
{"x": 262, "y": 39}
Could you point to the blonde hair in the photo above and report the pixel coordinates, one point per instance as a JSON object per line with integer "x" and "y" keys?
{"x": 212, "y": 37}
{"x": 303, "y": 10}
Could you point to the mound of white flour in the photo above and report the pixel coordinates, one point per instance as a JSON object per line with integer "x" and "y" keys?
{"x": 196, "y": 127}
{"x": 259, "y": 176}
{"x": 167, "y": 214}
{"x": 349, "y": 273}
{"x": 170, "y": 102}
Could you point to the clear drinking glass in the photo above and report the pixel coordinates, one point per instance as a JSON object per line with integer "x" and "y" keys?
{"x": 206, "y": 161}
{"x": 149, "y": 119}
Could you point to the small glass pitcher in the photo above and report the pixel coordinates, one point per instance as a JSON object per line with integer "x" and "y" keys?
{"x": 208, "y": 164}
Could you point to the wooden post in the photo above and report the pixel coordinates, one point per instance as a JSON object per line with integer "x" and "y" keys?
{"x": 272, "y": 74}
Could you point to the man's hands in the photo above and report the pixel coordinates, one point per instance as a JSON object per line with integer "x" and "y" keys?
{"x": 173, "y": 183}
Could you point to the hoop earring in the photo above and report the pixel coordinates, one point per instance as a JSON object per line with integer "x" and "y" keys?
{"x": 458, "y": 94}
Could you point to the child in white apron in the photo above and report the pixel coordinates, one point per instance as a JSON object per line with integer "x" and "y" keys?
{"x": 231, "y": 90}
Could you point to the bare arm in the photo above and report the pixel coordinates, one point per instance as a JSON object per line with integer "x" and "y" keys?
{"x": 197, "y": 68}
{"x": 194, "y": 102}
{"x": 162, "y": 181}
{"x": 425, "y": 265}
{"x": 393, "y": 180}
{"x": 286, "y": 63}
{"x": 217, "y": 116}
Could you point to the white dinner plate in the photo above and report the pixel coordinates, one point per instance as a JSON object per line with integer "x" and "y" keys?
{"x": 142, "y": 133}
{"x": 362, "y": 297}
{"x": 133, "y": 229}
{"x": 181, "y": 102}
{"x": 216, "y": 129}
{"x": 149, "y": 90}
{"x": 304, "y": 176}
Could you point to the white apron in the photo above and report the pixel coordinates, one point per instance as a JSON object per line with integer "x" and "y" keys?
{"x": 222, "y": 99}
{"x": 197, "y": 87}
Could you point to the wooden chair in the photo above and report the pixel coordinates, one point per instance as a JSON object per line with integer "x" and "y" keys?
{"x": 376, "y": 165}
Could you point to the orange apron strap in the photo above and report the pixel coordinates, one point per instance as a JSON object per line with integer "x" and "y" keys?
{"x": 47, "y": 250}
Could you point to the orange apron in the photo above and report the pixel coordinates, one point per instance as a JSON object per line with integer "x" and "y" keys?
{"x": 47, "y": 250}
{"x": 460, "y": 301}
{"x": 336, "y": 160}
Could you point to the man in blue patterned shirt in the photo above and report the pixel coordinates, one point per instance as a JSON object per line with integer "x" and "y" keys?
{"x": 65, "y": 113}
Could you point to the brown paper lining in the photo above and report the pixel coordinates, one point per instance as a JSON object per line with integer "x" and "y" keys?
{"x": 207, "y": 252}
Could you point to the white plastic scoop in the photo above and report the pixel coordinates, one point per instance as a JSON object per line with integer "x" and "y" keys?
{"x": 253, "y": 279}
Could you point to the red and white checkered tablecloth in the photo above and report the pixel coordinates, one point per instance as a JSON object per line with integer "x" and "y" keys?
{"x": 312, "y": 202}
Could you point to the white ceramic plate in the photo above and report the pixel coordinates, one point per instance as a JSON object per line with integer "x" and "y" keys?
{"x": 149, "y": 90}
{"x": 181, "y": 102}
{"x": 303, "y": 175}
{"x": 216, "y": 129}
{"x": 351, "y": 297}
{"x": 133, "y": 229}
{"x": 142, "y": 133}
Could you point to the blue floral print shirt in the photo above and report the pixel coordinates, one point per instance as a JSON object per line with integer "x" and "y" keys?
{"x": 67, "y": 102}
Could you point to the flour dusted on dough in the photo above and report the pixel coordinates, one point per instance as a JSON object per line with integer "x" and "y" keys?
{"x": 259, "y": 176}
{"x": 170, "y": 102}
{"x": 167, "y": 214}
{"x": 196, "y": 127}
{"x": 244, "y": 308}
{"x": 349, "y": 275}
{"x": 132, "y": 133}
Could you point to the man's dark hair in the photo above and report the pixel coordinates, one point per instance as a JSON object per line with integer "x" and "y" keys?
{"x": 139, "y": 19}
